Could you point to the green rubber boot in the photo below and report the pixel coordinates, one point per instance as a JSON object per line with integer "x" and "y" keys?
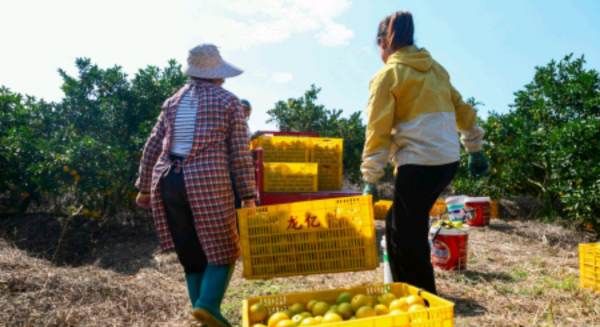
{"x": 194, "y": 285}
{"x": 208, "y": 305}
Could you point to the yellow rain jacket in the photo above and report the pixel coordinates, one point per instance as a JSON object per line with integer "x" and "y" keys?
{"x": 414, "y": 114}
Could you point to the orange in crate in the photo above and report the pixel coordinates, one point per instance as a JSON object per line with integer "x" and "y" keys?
{"x": 439, "y": 313}
{"x": 283, "y": 148}
{"x": 309, "y": 237}
{"x": 290, "y": 177}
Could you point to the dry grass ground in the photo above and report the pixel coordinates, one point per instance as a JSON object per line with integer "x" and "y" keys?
{"x": 520, "y": 274}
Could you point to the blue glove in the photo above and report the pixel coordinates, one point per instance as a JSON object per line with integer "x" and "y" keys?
{"x": 371, "y": 189}
{"x": 478, "y": 164}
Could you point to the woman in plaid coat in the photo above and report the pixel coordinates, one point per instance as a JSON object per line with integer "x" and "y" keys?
{"x": 197, "y": 147}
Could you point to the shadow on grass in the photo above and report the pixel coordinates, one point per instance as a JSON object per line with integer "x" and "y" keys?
{"x": 466, "y": 307}
{"x": 548, "y": 233}
{"x": 488, "y": 276}
{"x": 122, "y": 248}
{"x": 501, "y": 227}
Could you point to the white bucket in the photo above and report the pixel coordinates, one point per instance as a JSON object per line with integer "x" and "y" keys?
{"x": 456, "y": 208}
{"x": 387, "y": 270}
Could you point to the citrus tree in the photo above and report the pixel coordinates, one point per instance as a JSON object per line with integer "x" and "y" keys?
{"x": 548, "y": 144}
{"x": 82, "y": 152}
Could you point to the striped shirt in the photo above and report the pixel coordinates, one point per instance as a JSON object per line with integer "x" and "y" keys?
{"x": 185, "y": 123}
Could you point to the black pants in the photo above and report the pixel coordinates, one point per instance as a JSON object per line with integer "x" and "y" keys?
{"x": 181, "y": 223}
{"x": 407, "y": 224}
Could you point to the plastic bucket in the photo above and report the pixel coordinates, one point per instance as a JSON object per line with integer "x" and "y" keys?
{"x": 456, "y": 208}
{"x": 449, "y": 248}
{"x": 456, "y": 199}
{"x": 481, "y": 211}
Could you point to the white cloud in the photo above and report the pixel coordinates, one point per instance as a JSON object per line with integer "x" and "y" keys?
{"x": 335, "y": 35}
{"x": 240, "y": 24}
{"x": 282, "y": 77}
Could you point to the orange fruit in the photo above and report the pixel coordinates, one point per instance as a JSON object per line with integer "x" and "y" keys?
{"x": 309, "y": 322}
{"x": 414, "y": 299}
{"x": 258, "y": 312}
{"x": 320, "y": 308}
{"x": 276, "y": 318}
{"x": 296, "y": 308}
{"x": 297, "y": 319}
{"x": 288, "y": 313}
{"x": 381, "y": 309}
{"x": 332, "y": 308}
{"x": 386, "y": 298}
{"x": 344, "y": 297}
{"x": 286, "y": 323}
{"x": 399, "y": 304}
{"x": 365, "y": 311}
{"x": 345, "y": 310}
{"x": 331, "y": 317}
{"x": 359, "y": 300}
{"x": 416, "y": 308}
{"x": 306, "y": 314}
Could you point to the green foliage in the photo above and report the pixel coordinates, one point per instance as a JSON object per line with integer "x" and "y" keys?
{"x": 305, "y": 115}
{"x": 548, "y": 144}
{"x": 83, "y": 151}
{"x": 25, "y": 148}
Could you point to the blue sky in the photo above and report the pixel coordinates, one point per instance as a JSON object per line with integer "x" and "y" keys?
{"x": 490, "y": 48}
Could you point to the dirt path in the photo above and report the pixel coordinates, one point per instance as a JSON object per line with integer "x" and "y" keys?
{"x": 520, "y": 274}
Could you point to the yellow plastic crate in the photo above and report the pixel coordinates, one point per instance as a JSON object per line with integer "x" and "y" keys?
{"x": 589, "y": 265}
{"x": 494, "y": 213}
{"x": 290, "y": 177}
{"x": 328, "y": 153}
{"x": 283, "y": 148}
{"x": 309, "y": 237}
{"x": 439, "y": 314}
{"x": 381, "y": 209}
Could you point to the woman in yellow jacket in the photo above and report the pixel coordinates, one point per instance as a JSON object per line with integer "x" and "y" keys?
{"x": 414, "y": 113}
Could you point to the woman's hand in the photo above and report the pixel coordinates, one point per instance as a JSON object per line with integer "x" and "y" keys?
{"x": 478, "y": 164}
{"x": 371, "y": 189}
{"x": 143, "y": 200}
{"x": 251, "y": 203}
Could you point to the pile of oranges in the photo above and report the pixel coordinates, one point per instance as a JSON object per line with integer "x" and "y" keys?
{"x": 346, "y": 307}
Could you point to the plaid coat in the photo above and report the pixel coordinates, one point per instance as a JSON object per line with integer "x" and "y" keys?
{"x": 219, "y": 152}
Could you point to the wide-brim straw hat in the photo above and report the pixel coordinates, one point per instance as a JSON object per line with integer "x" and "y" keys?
{"x": 204, "y": 61}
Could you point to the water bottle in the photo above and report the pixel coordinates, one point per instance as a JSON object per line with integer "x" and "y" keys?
{"x": 387, "y": 271}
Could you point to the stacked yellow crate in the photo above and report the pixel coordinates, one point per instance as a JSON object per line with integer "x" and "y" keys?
{"x": 283, "y": 148}
{"x": 328, "y": 153}
{"x": 290, "y": 177}
{"x": 282, "y": 151}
